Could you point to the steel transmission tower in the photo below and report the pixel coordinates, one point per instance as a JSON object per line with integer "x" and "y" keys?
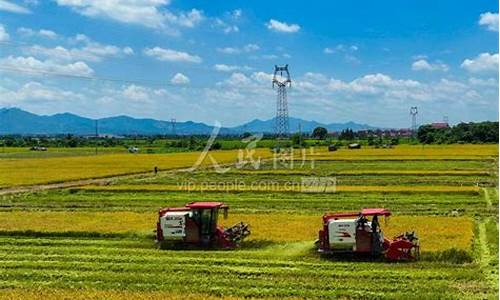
{"x": 413, "y": 113}
{"x": 282, "y": 82}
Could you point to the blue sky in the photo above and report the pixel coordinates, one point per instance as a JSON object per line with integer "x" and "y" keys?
{"x": 362, "y": 61}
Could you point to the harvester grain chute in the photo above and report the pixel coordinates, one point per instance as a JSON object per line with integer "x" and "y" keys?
{"x": 196, "y": 226}
{"x": 355, "y": 233}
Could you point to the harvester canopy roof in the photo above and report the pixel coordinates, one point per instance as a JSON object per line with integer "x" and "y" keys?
{"x": 375, "y": 211}
{"x": 364, "y": 212}
{"x": 205, "y": 204}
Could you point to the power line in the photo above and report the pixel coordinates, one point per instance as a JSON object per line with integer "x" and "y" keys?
{"x": 96, "y": 78}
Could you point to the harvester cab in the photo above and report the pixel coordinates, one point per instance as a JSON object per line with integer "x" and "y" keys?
{"x": 360, "y": 233}
{"x": 196, "y": 226}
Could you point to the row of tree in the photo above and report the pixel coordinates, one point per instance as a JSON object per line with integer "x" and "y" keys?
{"x": 483, "y": 132}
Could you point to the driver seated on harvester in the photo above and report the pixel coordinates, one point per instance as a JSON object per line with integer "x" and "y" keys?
{"x": 368, "y": 238}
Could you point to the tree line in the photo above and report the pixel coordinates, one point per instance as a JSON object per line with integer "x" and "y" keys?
{"x": 475, "y": 133}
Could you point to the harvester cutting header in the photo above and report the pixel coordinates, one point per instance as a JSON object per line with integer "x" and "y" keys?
{"x": 196, "y": 226}
{"x": 355, "y": 233}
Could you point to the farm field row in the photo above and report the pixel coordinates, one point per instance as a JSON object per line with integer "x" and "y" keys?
{"x": 329, "y": 166}
{"x": 278, "y": 187}
{"x": 435, "y": 233}
{"x": 282, "y": 178}
{"x": 427, "y": 151}
{"x": 424, "y": 203}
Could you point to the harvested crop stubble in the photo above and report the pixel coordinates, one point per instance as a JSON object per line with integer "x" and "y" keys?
{"x": 126, "y": 265}
{"x": 435, "y": 233}
{"x": 279, "y": 187}
{"x": 249, "y": 202}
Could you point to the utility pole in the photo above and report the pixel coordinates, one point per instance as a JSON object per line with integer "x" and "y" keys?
{"x": 282, "y": 122}
{"x": 445, "y": 120}
{"x": 96, "y": 134}
{"x": 172, "y": 124}
{"x": 300, "y": 134}
{"x": 414, "y": 113}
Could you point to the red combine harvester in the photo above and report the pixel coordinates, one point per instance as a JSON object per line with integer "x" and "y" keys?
{"x": 355, "y": 233}
{"x": 195, "y": 226}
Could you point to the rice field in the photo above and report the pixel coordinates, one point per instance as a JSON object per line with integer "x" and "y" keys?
{"x": 96, "y": 241}
{"x": 15, "y": 172}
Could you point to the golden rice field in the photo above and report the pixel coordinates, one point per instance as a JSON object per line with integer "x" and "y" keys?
{"x": 57, "y": 169}
{"x": 96, "y": 241}
{"x": 48, "y": 170}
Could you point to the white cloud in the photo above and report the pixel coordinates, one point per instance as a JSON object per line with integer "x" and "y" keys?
{"x": 33, "y": 90}
{"x": 263, "y": 77}
{"x": 136, "y": 93}
{"x": 235, "y": 50}
{"x": 226, "y": 28}
{"x": 31, "y": 64}
{"x": 340, "y": 48}
{"x": 48, "y": 33}
{"x": 225, "y": 68}
{"x": 278, "y": 26}
{"x": 128, "y": 50}
{"x": 84, "y": 49}
{"x": 424, "y": 65}
{"x": 149, "y": 13}
{"x": 269, "y": 56}
{"x": 490, "y": 20}
{"x": 4, "y": 35}
{"x": 236, "y": 14}
{"x": 238, "y": 79}
{"x": 90, "y": 51}
{"x": 179, "y": 79}
{"x": 328, "y": 51}
{"x": 13, "y": 8}
{"x": 484, "y": 62}
{"x": 346, "y": 51}
{"x": 251, "y": 47}
{"x": 230, "y": 68}
{"x": 229, "y": 50}
{"x": 492, "y": 82}
{"x": 228, "y": 21}
{"x": 171, "y": 55}
{"x": 42, "y": 32}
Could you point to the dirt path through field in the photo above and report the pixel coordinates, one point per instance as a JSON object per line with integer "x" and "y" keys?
{"x": 77, "y": 183}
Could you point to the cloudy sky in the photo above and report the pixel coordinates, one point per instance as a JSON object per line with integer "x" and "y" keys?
{"x": 362, "y": 61}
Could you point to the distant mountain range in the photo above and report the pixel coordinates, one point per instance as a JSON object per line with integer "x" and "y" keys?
{"x": 18, "y": 121}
